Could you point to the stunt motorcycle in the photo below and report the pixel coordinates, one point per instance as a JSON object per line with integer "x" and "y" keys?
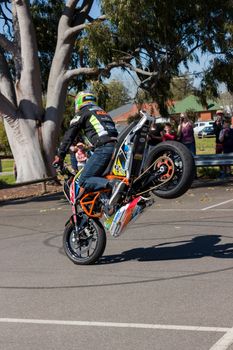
{"x": 165, "y": 170}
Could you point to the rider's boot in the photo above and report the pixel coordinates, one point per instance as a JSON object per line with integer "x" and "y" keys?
{"x": 110, "y": 204}
{"x": 104, "y": 198}
{"x": 118, "y": 189}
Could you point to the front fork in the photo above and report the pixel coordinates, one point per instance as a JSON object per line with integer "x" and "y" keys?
{"x": 77, "y": 220}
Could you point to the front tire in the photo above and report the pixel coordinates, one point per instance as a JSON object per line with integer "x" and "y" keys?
{"x": 88, "y": 246}
{"x": 180, "y": 168}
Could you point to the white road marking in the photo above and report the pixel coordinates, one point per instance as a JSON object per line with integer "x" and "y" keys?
{"x": 116, "y": 325}
{"x": 217, "y": 205}
{"x": 224, "y": 342}
{"x": 186, "y": 209}
{"x": 151, "y": 209}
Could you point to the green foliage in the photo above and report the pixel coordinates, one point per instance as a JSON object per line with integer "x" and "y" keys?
{"x": 163, "y": 34}
{"x": 117, "y": 95}
{"x": 101, "y": 92}
{"x": 98, "y": 44}
{"x": 4, "y": 144}
{"x": 142, "y": 96}
{"x": 181, "y": 87}
{"x": 68, "y": 115}
{"x": 112, "y": 95}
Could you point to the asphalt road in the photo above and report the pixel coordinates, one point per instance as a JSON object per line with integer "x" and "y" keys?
{"x": 165, "y": 284}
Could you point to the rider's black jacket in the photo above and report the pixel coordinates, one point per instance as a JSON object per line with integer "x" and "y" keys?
{"x": 93, "y": 125}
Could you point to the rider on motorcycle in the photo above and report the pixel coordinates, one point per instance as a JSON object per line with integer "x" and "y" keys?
{"x": 97, "y": 129}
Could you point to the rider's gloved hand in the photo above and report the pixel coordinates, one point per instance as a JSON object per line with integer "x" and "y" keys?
{"x": 58, "y": 162}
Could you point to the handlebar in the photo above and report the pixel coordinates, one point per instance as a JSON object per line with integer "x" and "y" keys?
{"x": 63, "y": 169}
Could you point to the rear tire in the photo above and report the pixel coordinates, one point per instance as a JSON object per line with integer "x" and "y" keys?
{"x": 90, "y": 246}
{"x": 182, "y": 168}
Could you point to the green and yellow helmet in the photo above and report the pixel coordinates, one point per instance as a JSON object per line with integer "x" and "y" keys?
{"x": 84, "y": 98}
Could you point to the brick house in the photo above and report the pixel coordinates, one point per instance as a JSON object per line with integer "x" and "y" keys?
{"x": 120, "y": 115}
{"x": 204, "y": 113}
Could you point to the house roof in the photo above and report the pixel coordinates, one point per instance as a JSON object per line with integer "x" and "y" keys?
{"x": 121, "y": 110}
{"x": 191, "y": 102}
{"x": 121, "y": 114}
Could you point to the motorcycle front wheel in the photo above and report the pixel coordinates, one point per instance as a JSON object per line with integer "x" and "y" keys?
{"x": 86, "y": 247}
{"x": 177, "y": 169}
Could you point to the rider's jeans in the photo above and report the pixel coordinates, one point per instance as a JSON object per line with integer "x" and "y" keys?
{"x": 90, "y": 177}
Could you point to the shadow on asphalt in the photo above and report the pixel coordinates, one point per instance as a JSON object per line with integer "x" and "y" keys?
{"x": 196, "y": 248}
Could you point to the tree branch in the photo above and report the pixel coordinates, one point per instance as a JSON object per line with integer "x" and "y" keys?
{"x": 98, "y": 71}
{"x": 6, "y": 44}
{"x": 6, "y": 81}
{"x": 86, "y": 6}
{"x": 78, "y": 28}
{"x": 73, "y": 15}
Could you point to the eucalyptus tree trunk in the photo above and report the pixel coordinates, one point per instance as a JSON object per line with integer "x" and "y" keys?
{"x": 32, "y": 131}
{"x": 21, "y": 100}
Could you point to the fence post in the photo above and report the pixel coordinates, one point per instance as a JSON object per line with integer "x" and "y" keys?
{"x": 44, "y": 189}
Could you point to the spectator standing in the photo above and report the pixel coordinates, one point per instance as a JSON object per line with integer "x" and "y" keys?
{"x": 168, "y": 133}
{"x": 154, "y": 136}
{"x": 73, "y": 159}
{"x": 226, "y": 138}
{"x": 218, "y": 124}
{"x": 80, "y": 154}
{"x": 186, "y": 133}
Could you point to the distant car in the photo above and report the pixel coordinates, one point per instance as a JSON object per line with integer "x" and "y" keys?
{"x": 198, "y": 126}
{"x": 207, "y": 131}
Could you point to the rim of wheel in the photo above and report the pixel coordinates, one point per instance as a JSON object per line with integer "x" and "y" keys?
{"x": 86, "y": 246}
{"x": 168, "y": 163}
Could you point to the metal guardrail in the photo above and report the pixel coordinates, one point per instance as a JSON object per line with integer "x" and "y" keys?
{"x": 213, "y": 159}
{"x": 202, "y": 160}
{"x": 26, "y": 183}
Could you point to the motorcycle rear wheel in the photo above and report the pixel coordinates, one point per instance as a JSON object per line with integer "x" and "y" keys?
{"x": 180, "y": 168}
{"x": 88, "y": 247}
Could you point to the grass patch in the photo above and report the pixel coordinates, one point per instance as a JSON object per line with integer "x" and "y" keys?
{"x": 7, "y": 165}
{"x": 205, "y": 145}
{"x": 208, "y": 172}
{"x": 6, "y": 180}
